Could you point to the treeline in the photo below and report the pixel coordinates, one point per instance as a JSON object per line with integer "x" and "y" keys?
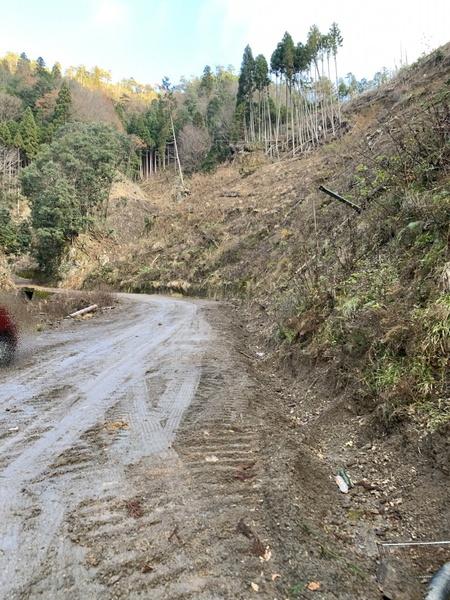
{"x": 202, "y": 111}
{"x": 64, "y": 136}
{"x": 36, "y": 100}
{"x": 301, "y": 107}
{"x": 23, "y": 122}
{"x": 65, "y": 164}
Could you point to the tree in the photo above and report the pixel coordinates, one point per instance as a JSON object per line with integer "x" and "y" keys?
{"x": 68, "y": 185}
{"x": 194, "y": 146}
{"x": 63, "y": 106}
{"x": 10, "y": 107}
{"x": 262, "y": 80}
{"x": 207, "y": 82}
{"x": 314, "y": 42}
{"x": 29, "y": 133}
{"x": 55, "y": 212}
{"x": 56, "y": 72}
{"x": 336, "y": 41}
{"x": 246, "y": 83}
{"x": 23, "y": 81}
{"x": 44, "y": 80}
{"x": 246, "y": 87}
{"x": 169, "y": 103}
{"x": 5, "y": 135}
{"x": 18, "y": 141}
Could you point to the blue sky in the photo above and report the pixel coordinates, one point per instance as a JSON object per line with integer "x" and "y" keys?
{"x": 148, "y": 39}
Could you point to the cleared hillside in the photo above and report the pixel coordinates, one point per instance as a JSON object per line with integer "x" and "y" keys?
{"x": 361, "y": 292}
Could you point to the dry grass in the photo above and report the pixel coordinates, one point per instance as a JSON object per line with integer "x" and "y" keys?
{"x": 59, "y": 305}
{"x": 48, "y": 307}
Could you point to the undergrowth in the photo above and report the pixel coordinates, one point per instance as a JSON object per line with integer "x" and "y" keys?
{"x": 382, "y": 315}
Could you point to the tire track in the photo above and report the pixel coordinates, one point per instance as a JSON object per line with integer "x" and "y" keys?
{"x": 133, "y": 485}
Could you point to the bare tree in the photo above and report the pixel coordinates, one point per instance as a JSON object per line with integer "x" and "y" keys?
{"x": 92, "y": 105}
{"x": 194, "y": 143}
{"x": 10, "y": 107}
{"x": 10, "y": 163}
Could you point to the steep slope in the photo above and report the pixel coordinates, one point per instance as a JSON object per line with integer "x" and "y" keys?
{"x": 363, "y": 292}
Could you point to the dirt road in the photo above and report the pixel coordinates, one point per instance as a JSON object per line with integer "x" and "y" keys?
{"x": 127, "y": 460}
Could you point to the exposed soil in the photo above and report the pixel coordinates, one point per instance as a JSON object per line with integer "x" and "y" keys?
{"x": 132, "y": 460}
{"x": 152, "y": 453}
{"x": 399, "y": 492}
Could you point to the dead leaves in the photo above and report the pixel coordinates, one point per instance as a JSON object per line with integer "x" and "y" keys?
{"x": 313, "y": 586}
{"x": 134, "y": 508}
{"x": 113, "y": 426}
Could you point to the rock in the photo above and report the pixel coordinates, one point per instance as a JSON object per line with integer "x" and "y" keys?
{"x": 395, "y": 582}
{"x": 366, "y": 541}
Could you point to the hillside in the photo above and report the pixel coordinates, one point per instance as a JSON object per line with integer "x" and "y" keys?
{"x": 328, "y": 282}
{"x": 349, "y": 312}
{"x": 346, "y": 313}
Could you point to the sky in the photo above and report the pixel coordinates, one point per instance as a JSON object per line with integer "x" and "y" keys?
{"x": 149, "y": 39}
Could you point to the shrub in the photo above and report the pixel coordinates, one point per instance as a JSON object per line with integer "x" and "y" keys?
{"x": 69, "y": 185}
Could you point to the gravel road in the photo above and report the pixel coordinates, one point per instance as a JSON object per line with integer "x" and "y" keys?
{"x": 127, "y": 458}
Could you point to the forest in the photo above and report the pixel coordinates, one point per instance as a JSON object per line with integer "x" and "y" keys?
{"x": 64, "y": 136}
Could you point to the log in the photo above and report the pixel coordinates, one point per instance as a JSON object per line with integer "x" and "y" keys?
{"x": 84, "y": 311}
{"x": 340, "y": 198}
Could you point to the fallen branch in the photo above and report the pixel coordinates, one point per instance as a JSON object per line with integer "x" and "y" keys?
{"x": 340, "y": 198}
{"x": 84, "y": 311}
{"x": 439, "y": 543}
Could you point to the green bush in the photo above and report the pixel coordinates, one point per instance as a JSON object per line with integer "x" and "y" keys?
{"x": 69, "y": 185}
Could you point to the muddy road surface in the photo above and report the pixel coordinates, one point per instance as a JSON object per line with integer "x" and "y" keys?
{"x": 129, "y": 460}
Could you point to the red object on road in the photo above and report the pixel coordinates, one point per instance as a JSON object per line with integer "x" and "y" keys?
{"x": 8, "y": 336}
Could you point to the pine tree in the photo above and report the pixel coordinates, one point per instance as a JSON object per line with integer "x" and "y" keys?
{"x": 261, "y": 73}
{"x": 314, "y": 43}
{"x": 246, "y": 83}
{"x": 18, "y": 141}
{"x": 40, "y": 64}
{"x": 246, "y": 87}
{"x": 56, "y": 71}
{"x": 29, "y": 133}
{"x": 336, "y": 41}
{"x": 288, "y": 57}
{"x": 5, "y": 135}
{"x": 44, "y": 81}
{"x": 63, "y": 105}
{"x": 207, "y": 82}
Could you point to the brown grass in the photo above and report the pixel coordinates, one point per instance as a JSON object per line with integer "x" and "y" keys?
{"x": 61, "y": 304}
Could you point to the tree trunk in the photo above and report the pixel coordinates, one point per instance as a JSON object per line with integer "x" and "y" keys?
{"x": 176, "y": 152}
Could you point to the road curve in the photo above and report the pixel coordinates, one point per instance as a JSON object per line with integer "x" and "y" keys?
{"x": 119, "y": 440}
